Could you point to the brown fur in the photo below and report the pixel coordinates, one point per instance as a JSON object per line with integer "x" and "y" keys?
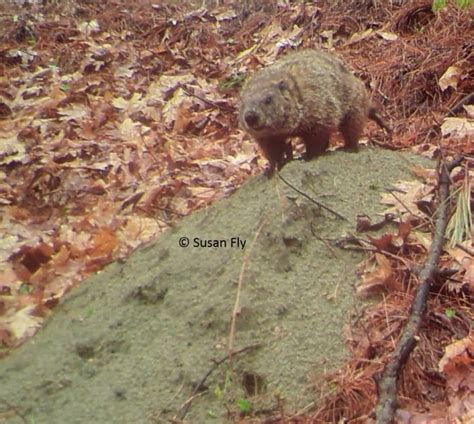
{"x": 308, "y": 94}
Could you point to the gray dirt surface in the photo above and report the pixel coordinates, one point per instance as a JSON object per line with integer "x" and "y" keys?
{"x": 130, "y": 343}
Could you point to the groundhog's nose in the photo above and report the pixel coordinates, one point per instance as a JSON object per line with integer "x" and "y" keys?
{"x": 251, "y": 119}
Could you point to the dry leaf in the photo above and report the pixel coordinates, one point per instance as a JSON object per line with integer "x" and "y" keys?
{"x": 389, "y": 36}
{"x": 12, "y": 150}
{"x": 405, "y": 198}
{"x": 104, "y": 243}
{"x": 450, "y": 78}
{"x": 457, "y": 365}
{"x": 22, "y": 324}
{"x": 381, "y": 278}
{"x": 359, "y": 36}
{"x": 457, "y": 127}
{"x": 468, "y": 279}
{"x": 470, "y": 110}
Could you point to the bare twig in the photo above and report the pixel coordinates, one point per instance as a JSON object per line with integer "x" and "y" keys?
{"x": 186, "y": 405}
{"x": 365, "y": 247}
{"x": 208, "y": 102}
{"x": 458, "y": 106}
{"x": 311, "y": 199}
{"x": 239, "y": 291}
{"x": 466, "y": 249}
{"x": 387, "y": 386}
{"x": 323, "y": 240}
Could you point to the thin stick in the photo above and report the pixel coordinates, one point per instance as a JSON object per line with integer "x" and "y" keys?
{"x": 311, "y": 199}
{"x": 458, "y": 106}
{"x": 239, "y": 290}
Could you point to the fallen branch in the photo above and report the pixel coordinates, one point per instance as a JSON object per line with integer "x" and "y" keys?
{"x": 387, "y": 386}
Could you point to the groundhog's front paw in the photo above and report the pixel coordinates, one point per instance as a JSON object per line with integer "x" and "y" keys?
{"x": 269, "y": 171}
{"x": 309, "y": 156}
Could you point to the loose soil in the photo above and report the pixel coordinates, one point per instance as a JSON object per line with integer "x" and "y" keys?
{"x": 129, "y": 345}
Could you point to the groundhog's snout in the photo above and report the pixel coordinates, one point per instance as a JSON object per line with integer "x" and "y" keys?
{"x": 251, "y": 119}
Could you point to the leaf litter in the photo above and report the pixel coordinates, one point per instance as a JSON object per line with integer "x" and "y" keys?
{"x": 113, "y": 126}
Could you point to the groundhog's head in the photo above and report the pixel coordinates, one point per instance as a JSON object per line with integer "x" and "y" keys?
{"x": 269, "y": 104}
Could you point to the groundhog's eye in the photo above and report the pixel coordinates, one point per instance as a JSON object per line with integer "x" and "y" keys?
{"x": 268, "y": 100}
{"x": 282, "y": 85}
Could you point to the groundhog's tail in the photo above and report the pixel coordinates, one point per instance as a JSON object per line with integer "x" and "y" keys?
{"x": 374, "y": 115}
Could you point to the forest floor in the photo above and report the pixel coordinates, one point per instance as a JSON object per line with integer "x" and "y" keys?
{"x": 117, "y": 120}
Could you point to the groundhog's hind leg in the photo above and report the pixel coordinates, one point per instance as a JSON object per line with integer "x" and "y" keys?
{"x": 351, "y": 128}
{"x": 316, "y": 143}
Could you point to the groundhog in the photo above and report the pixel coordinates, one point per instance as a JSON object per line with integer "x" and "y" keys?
{"x": 308, "y": 94}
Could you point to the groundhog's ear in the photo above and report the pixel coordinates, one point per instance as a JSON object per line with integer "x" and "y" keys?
{"x": 283, "y": 85}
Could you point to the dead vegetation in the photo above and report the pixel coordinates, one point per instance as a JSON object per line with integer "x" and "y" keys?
{"x": 117, "y": 118}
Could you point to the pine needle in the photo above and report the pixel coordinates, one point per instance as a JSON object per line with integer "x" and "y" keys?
{"x": 459, "y": 227}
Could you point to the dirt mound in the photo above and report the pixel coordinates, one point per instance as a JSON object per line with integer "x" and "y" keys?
{"x": 130, "y": 344}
